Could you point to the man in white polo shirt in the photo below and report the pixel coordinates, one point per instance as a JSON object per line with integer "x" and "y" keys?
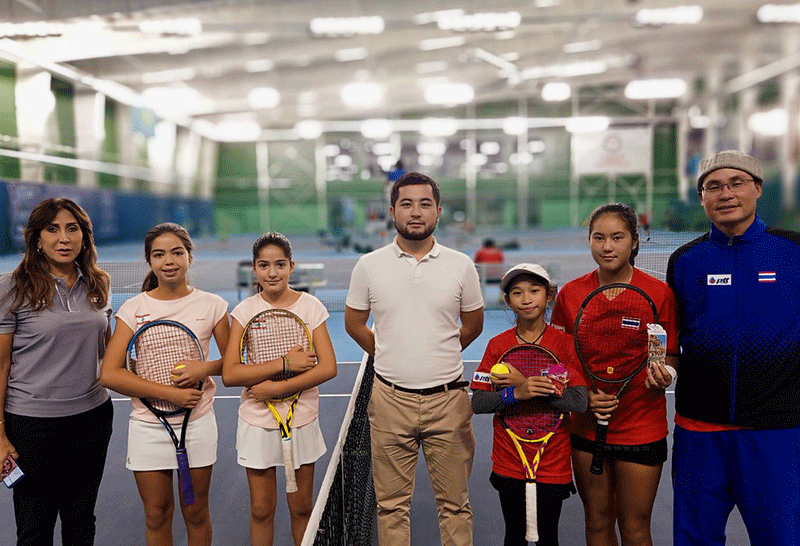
{"x": 426, "y": 303}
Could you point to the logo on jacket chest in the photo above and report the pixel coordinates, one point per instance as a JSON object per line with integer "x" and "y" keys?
{"x": 719, "y": 280}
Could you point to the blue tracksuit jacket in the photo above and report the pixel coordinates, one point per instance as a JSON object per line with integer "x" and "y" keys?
{"x": 739, "y": 327}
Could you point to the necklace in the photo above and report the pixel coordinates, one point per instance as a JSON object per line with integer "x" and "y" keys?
{"x": 535, "y": 341}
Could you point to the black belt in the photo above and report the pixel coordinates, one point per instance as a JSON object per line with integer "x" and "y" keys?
{"x": 424, "y": 392}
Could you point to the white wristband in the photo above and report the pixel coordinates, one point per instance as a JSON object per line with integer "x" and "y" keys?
{"x": 672, "y": 371}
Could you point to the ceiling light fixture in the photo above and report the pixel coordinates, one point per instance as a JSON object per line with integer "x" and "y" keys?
{"x": 778, "y": 13}
{"x": 351, "y": 54}
{"x": 362, "y": 94}
{"x": 346, "y": 26}
{"x": 515, "y": 126}
{"x": 480, "y": 22}
{"x": 263, "y": 97}
{"x": 556, "y": 91}
{"x": 773, "y": 123}
{"x": 449, "y": 94}
{"x": 308, "y": 129}
{"x": 259, "y": 65}
{"x": 582, "y": 47}
{"x": 376, "y": 129}
{"x": 433, "y": 44}
{"x": 677, "y": 15}
{"x": 664, "y": 88}
{"x": 568, "y": 70}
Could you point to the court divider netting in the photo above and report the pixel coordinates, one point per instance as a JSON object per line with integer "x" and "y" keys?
{"x": 344, "y": 512}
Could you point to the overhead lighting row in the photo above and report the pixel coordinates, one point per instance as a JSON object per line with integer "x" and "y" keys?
{"x": 346, "y": 26}
{"x": 676, "y": 15}
{"x": 773, "y": 123}
{"x": 480, "y": 22}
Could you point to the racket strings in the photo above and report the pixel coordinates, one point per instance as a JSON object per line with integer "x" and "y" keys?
{"x": 531, "y": 419}
{"x": 611, "y": 333}
{"x": 272, "y": 336}
{"x": 154, "y": 354}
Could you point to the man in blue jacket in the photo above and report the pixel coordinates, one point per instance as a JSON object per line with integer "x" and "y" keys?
{"x": 737, "y": 422}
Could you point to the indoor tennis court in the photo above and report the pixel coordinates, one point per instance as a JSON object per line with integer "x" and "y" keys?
{"x": 238, "y": 117}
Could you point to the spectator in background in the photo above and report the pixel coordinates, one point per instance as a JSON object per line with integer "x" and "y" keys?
{"x": 644, "y": 221}
{"x": 490, "y": 254}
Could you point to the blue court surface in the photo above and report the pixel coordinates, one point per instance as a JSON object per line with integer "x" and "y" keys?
{"x": 120, "y": 518}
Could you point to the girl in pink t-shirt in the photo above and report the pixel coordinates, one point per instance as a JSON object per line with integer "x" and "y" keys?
{"x": 258, "y": 440}
{"x": 151, "y": 454}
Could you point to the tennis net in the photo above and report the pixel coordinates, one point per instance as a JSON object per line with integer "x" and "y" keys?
{"x": 344, "y": 513}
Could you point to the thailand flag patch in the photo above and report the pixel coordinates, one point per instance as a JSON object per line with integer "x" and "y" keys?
{"x": 766, "y": 276}
{"x": 632, "y": 323}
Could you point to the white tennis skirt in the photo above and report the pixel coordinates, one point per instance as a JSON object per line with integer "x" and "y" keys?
{"x": 260, "y": 448}
{"x": 150, "y": 446}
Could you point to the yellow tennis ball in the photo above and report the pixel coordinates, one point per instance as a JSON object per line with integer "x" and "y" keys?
{"x": 500, "y": 368}
{"x": 178, "y": 367}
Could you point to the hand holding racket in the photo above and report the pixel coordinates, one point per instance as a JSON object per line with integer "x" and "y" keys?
{"x": 272, "y": 335}
{"x": 612, "y": 345}
{"x": 153, "y": 353}
{"x": 300, "y": 359}
{"x": 602, "y": 405}
{"x": 187, "y": 373}
{"x": 532, "y": 422}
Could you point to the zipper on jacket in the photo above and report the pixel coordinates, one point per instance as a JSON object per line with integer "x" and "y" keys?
{"x": 735, "y": 344}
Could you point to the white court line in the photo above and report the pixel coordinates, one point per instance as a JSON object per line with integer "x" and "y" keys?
{"x": 345, "y": 395}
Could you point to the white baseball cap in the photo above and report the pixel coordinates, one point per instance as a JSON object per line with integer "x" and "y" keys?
{"x": 523, "y": 269}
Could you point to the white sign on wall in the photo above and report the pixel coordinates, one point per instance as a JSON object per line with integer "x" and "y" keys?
{"x": 614, "y": 151}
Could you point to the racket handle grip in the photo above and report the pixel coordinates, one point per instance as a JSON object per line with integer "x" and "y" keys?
{"x": 599, "y": 448}
{"x": 185, "y": 477}
{"x": 288, "y": 464}
{"x": 531, "y": 519}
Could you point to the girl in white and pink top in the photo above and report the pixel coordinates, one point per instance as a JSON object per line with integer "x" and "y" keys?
{"x": 151, "y": 454}
{"x": 258, "y": 441}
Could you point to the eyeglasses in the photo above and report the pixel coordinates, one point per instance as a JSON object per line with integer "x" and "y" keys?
{"x": 736, "y": 186}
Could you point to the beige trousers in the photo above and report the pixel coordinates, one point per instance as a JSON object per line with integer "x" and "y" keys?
{"x": 442, "y": 424}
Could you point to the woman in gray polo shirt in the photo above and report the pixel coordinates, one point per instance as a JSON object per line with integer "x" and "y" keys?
{"x": 54, "y": 326}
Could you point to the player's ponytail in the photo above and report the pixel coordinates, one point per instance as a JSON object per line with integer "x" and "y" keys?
{"x": 151, "y": 281}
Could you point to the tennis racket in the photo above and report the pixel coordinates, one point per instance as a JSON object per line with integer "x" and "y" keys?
{"x": 531, "y": 421}
{"x": 267, "y": 336}
{"x": 152, "y": 354}
{"x": 611, "y": 342}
